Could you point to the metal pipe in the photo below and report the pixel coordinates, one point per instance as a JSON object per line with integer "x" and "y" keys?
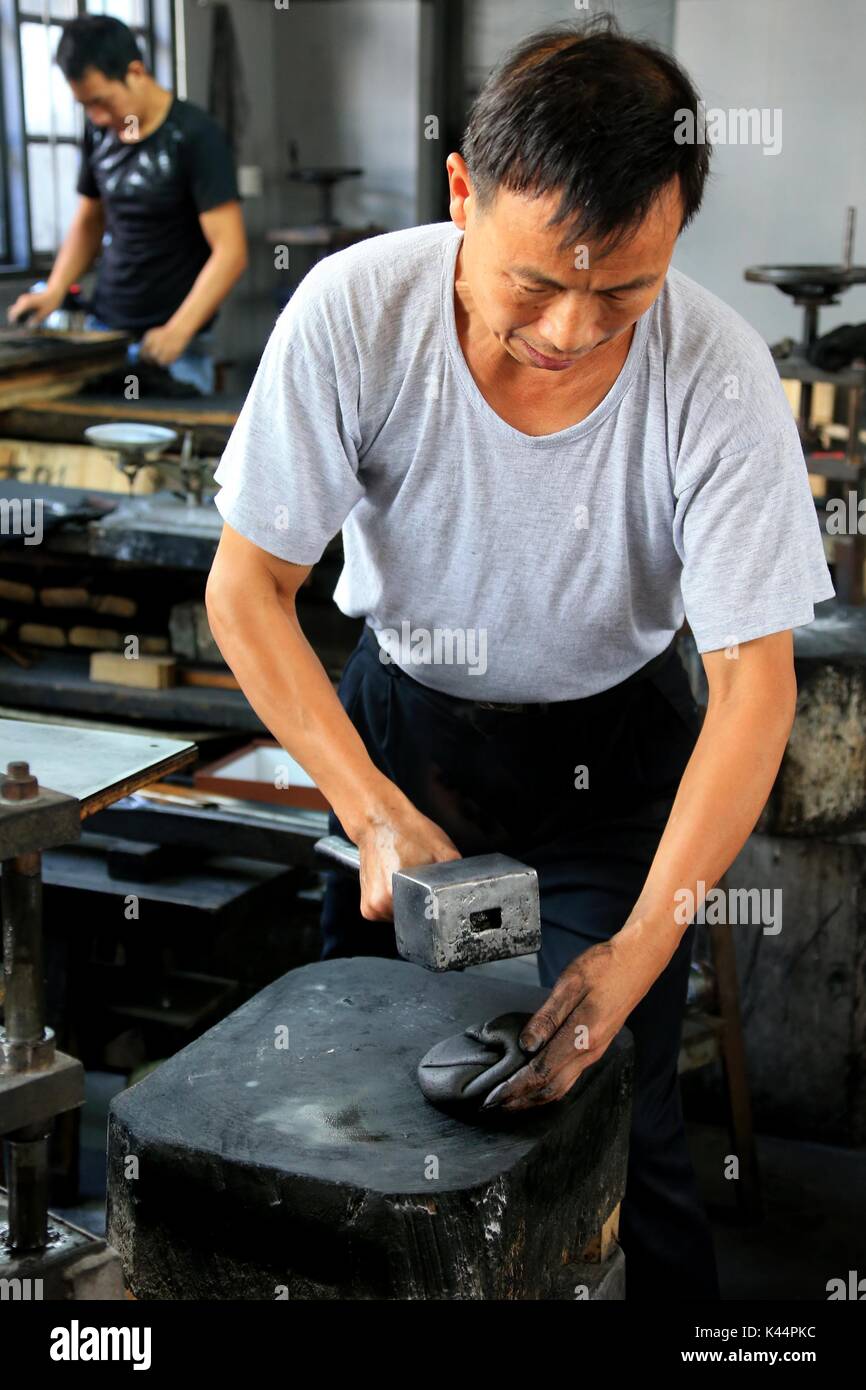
{"x": 24, "y": 1020}
{"x": 27, "y": 1175}
{"x": 22, "y": 924}
{"x": 22, "y": 949}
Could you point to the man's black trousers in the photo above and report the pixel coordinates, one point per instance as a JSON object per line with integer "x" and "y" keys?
{"x": 516, "y": 781}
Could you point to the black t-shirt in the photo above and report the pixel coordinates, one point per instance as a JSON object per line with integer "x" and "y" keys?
{"x": 152, "y": 191}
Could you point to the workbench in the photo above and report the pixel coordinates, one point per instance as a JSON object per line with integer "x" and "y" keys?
{"x": 41, "y": 363}
{"x": 64, "y": 421}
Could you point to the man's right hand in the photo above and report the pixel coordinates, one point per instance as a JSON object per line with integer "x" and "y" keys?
{"x": 399, "y": 841}
{"x": 35, "y": 306}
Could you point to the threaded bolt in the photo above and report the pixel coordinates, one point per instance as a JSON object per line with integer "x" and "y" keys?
{"x": 19, "y": 784}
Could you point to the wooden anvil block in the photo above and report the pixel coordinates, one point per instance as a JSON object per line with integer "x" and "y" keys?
{"x": 289, "y": 1153}
{"x": 821, "y": 786}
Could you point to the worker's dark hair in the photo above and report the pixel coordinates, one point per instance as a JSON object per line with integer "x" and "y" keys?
{"x": 584, "y": 110}
{"x": 96, "y": 41}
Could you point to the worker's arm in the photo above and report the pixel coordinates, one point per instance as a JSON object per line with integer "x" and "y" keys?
{"x": 752, "y": 699}
{"x": 76, "y": 255}
{"x": 223, "y": 228}
{"x": 250, "y": 600}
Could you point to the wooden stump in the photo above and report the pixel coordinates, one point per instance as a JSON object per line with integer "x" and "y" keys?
{"x": 289, "y": 1153}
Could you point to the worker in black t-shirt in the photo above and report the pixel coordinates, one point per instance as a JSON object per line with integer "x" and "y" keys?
{"x": 158, "y": 195}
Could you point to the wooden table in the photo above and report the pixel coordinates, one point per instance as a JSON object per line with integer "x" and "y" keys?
{"x": 40, "y": 363}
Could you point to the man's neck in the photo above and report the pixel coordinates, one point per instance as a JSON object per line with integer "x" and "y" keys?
{"x": 156, "y": 108}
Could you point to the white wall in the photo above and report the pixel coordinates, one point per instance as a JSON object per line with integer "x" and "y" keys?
{"x": 809, "y": 60}
{"x": 341, "y": 78}
{"x": 346, "y": 81}
{"x": 248, "y": 315}
{"x": 492, "y": 26}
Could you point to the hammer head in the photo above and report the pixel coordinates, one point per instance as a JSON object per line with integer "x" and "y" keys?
{"x": 466, "y": 912}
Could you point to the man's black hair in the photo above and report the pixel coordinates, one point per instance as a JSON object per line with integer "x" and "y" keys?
{"x": 96, "y": 41}
{"x": 586, "y": 111}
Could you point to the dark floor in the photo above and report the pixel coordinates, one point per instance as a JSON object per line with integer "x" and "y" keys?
{"x": 814, "y": 1227}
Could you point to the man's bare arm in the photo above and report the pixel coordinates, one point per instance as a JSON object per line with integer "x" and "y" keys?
{"x": 250, "y": 600}
{"x": 750, "y": 713}
{"x": 76, "y": 255}
{"x": 722, "y": 792}
{"x": 224, "y": 232}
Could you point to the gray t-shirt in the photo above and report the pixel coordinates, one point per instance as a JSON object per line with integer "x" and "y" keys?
{"x": 496, "y": 565}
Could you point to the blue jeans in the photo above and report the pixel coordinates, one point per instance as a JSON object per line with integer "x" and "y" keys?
{"x": 194, "y": 366}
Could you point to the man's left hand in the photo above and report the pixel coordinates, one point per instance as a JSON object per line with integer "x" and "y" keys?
{"x": 163, "y": 345}
{"x": 585, "y": 1010}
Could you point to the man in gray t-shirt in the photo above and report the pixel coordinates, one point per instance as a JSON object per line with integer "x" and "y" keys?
{"x": 546, "y": 448}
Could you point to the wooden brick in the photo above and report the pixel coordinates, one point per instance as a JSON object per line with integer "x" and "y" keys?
{"x": 115, "y": 605}
{"x": 102, "y": 638}
{"x": 17, "y": 593}
{"x": 64, "y": 598}
{"x": 40, "y": 635}
{"x": 145, "y": 672}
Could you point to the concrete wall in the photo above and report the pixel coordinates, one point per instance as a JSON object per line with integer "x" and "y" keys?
{"x": 341, "y": 79}
{"x": 492, "y": 26}
{"x": 247, "y": 317}
{"x": 808, "y": 60}
{"x": 347, "y": 91}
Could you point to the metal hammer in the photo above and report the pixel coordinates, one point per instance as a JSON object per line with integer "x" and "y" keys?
{"x": 463, "y": 912}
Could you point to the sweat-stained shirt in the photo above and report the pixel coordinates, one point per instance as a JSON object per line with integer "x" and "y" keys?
{"x": 500, "y": 566}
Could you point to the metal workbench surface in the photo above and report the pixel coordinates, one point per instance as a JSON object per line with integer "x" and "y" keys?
{"x": 96, "y": 766}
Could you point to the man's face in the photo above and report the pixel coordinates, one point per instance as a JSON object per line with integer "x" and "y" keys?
{"x": 108, "y": 101}
{"x": 536, "y": 298}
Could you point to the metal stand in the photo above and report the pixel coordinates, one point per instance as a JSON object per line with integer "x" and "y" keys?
{"x": 36, "y": 1081}
{"x": 38, "y": 1251}
{"x": 813, "y": 287}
